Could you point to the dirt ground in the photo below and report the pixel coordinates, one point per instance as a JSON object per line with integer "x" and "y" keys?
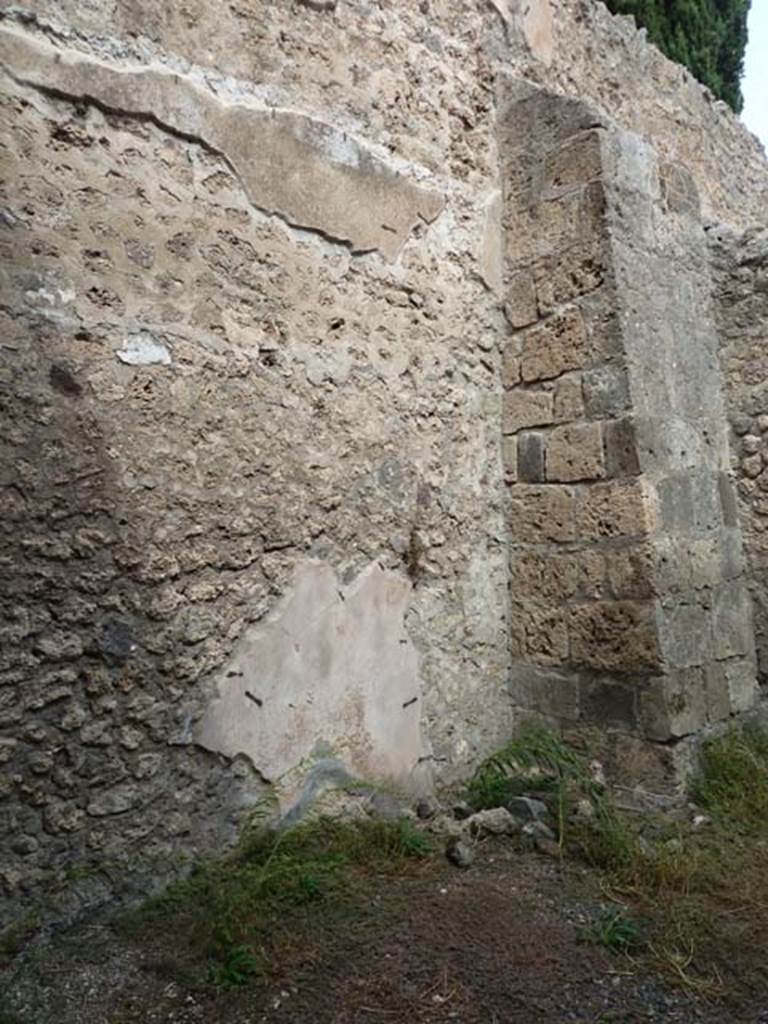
{"x": 500, "y": 943}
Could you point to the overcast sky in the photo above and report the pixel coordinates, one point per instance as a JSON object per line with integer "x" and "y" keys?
{"x": 755, "y": 83}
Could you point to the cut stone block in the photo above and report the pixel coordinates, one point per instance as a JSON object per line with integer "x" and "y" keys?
{"x": 553, "y": 347}
{"x": 539, "y": 514}
{"x": 575, "y": 452}
{"x": 524, "y": 409}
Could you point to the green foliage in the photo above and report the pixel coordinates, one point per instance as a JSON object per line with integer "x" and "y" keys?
{"x": 704, "y": 890}
{"x": 536, "y": 759}
{"x": 708, "y": 36}
{"x": 733, "y": 781}
{"x": 15, "y": 936}
{"x": 615, "y": 930}
{"x": 237, "y": 966}
{"x": 227, "y": 909}
{"x": 606, "y": 840}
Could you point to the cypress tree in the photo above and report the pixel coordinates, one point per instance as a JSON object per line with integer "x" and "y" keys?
{"x": 708, "y": 36}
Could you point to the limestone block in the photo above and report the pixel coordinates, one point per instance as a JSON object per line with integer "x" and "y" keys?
{"x": 492, "y": 251}
{"x": 575, "y": 452}
{"x": 685, "y": 631}
{"x": 674, "y": 705}
{"x": 609, "y": 703}
{"x": 538, "y": 633}
{"x": 548, "y": 578}
{"x": 614, "y": 636}
{"x": 521, "y": 308}
{"x": 523, "y": 408}
{"x": 716, "y": 691}
{"x": 545, "y": 690}
{"x": 742, "y": 684}
{"x": 569, "y": 404}
{"x": 552, "y": 347}
{"x": 605, "y": 511}
{"x": 728, "y": 500}
{"x": 705, "y": 560}
{"x": 731, "y": 620}
{"x": 343, "y": 191}
{"x": 705, "y": 493}
{"x": 676, "y": 502}
{"x": 530, "y": 457}
{"x": 540, "y": 514}
{"x": 731, "y": 553}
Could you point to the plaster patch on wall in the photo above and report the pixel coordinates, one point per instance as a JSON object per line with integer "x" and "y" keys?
{"x": 491, "y": 256}
{"x": 331, "y": 668}
{"x": 143, "y": 349}
{"x": 533, "y": 21}
{"x": 538, "y": 29}
{"x": 305, "y": 171}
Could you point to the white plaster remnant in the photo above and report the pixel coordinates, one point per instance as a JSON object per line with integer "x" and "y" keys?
{"x": 299, "y": 168}
{"x": 492, "y": 251}
{"x": 331, "y": 668}
{"x": 143, "y": 349}
{"x": 538, "y": 29}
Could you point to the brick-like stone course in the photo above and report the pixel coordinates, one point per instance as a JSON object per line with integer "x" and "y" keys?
{"x": 626, "y": 554}
{"x": 740, "y": 262}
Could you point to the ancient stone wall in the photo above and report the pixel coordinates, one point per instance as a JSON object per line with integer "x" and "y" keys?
{"x": 267, "y": 341}
{"x": 227, "y": 379}
{"x": 629, "y": 606}
{"x": 741, "y": 265}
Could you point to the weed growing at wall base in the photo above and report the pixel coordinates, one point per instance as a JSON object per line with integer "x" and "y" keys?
{"x": 698, "y": 881}
{"x": 733, "y": 782}
{"x": 703, "y": 887}
{"x": 229, "y": 909}
{"x": 537, "y": 758}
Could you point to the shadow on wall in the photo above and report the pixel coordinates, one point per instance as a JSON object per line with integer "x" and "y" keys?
{"x": 98, "y": 776}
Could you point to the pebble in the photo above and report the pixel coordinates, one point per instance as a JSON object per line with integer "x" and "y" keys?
{"x": 460, "y": 853}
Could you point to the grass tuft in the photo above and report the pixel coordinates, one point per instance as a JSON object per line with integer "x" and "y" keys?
{"x": 536, "y": 759}
{"x": 732, "y": 784}
{"x": 616, "y": 931}
{"x": 227, "y": 908}
{"x": 703, "y": 891}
